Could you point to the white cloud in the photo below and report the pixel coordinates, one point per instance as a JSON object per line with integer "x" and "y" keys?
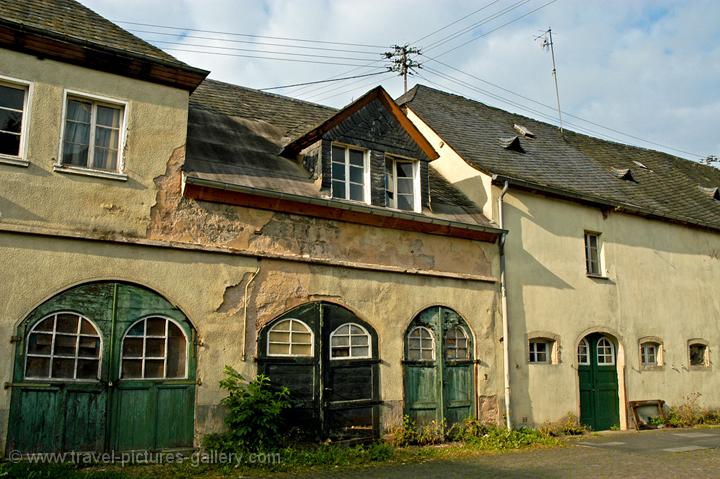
{"x": 646, "y": 67}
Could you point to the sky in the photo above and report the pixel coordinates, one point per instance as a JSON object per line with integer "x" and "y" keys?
{"x": 642, "y": 72}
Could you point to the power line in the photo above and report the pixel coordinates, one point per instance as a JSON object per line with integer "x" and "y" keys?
{"x": 346, "y": 91}
{"x": 261, "y": 58}
{"x": 249, "y": 35}
{"x": 456, "y": 21}
{"x": 628, "y": 135}
{"x": 267, "y": 52}
{"x": 321, "y": 81}
{"x": 226, "y": 40}
{"x": 496, "y": 28}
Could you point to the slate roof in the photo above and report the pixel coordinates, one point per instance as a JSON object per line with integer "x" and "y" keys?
{"x": 77, "y": 23}
{"x": 576, "y": 165}
{"x": 236, "y": 134}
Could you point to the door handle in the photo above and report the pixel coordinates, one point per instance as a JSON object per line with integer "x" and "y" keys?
{"x": 327, "y": 390}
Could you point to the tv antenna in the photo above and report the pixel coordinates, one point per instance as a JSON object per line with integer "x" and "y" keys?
{"x": 547, "y": 44}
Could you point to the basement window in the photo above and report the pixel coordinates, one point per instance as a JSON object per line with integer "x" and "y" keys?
{"x": 539, "y": 351}
{"x": 651, "y": 353}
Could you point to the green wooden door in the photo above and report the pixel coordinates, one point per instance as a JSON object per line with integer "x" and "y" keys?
{"x": 68, "y": 394}
{"x": 438, "y": 368}
{"x": 327, "y": 357}
{"x": 597, "y": 371}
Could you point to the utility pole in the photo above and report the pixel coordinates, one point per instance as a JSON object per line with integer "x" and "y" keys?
{"x": 548, "y": 43}
{"x": 402, "y": 63}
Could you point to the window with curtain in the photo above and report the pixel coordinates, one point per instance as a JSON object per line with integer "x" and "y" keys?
{"x": 92, "y": 134}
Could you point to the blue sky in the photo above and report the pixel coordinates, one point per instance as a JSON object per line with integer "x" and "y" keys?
{"x": 649, "y": 69}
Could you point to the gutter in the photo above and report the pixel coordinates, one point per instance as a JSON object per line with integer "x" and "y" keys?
{"x": 338, "y": 204}
{"x": 504, "y": 308}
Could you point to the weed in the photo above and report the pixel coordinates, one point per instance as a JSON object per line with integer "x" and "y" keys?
{"x": 569, "y": 425}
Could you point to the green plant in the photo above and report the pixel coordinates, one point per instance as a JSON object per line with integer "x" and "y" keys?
{"x": 408, "y": 434}
{"x": 254, "y": 414}
{"x": 26, "y": 470}
{"x": 569, "y": 425}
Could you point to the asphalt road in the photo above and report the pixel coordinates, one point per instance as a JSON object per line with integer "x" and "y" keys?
{"x": 684, "y": 453}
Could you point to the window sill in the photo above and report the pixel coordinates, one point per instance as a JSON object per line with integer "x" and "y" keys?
{"x": 699, "y": 368}
{"x": 14, "y": 161}
{"x": 597, "y": 276}
{"x": 75, "y": 170}
{"x": 659, "y": 367}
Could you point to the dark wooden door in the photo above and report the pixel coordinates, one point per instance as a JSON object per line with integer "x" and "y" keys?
{"x": 438, "y": 368}
{"x": 597, "y": 371}
{"x": 68, "y": 394}
{"x": 327, "y": 357}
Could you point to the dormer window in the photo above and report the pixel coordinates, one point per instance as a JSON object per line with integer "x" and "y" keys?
{"x": 402, "y": 184}
{"x": 349, "y": 173}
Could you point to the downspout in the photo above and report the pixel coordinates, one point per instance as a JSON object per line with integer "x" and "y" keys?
{"x": 503, "y": 308}
{"x": 245, "y": 303}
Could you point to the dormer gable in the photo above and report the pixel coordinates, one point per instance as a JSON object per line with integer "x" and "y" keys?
{"x": 368, "y": 152}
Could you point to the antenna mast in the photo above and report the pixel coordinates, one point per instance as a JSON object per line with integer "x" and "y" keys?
{"x": 548, "y": 43}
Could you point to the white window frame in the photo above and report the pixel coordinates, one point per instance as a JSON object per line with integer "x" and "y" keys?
{"x": 85, "y": 171}
{"x": 417, "y": 206}
{"x": 290, "y": 355}
{"x": 143, "y": 357}
{"x": 22, "y": 158}
{"x": 366, "y": 172}
{"x": 612, "y": 352}
{"x": 657, "y": 343}
{"x": 367, "y": 335}
{"x": 586, "y": 344}
{"x": 532, "y": 349}
{"x": 599, "y": 251}
{"x": 432, "y": 339}
{"x": 52, "y": 355}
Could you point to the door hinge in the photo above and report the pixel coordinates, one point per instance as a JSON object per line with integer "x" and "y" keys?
{"x": 15, "y": 339}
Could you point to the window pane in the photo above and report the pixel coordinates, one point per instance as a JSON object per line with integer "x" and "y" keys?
{"x": 108, "y": 116}
{"x": 301, "y": 338}
{"x": 404, "y": 170}
{"x": 87, "y": 328}
{"x": 46, "y": 324}
{"x": 338, "y": 171}
{"x": 133, "y": 347}
{"x": 75, "y": 155}
{"x": 89, "y": 347}
{"x": 65, "y": 345}
{"x": 357, "y": 158}
{"x": 63, "y": 368}
{"x": 156, "y": 326}
{"x": 78, "y": 111}
{"x": 340, "y": 341}
{"x": 356, "y": 175}
{"x": 154, "y": 348}
{"x": 360, "y": 352}
{"x": 40, "y": 344}
{"x": 427, "y": 354}
{"x": 338, "y": 154}
{"x": 87, "y": 368}
{"x": 281, "y": 326}
{"x": 37, "y": 367}
{"x": 359, "y": 340}
{"x": 341, "y": 352}
{"x": 154, "y": 368}
{"x": 106, "y": 138}
{"x": 177, "y": 352}
{"x": 137, "y": 330}
{"x": 105, "y": 159}
{"x": 405, "y": 203}
{"x": 338, "y": 189}
{"x": 301, "y": 349}
{"x": 132, "y": 369}
{"x": 405, "y": 186}
{"x": 278, "y": 349}
{"x": 10, "y": 120}
{"x": 279, "y": 337}
{"x": 697, "y": 355}
{"x": 67, "y": 323}
{"x": 357, "y": 192}
{"x": 12, "y": 97}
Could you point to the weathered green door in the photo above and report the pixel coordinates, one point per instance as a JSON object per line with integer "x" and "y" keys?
{"x": 599, "y": 403}
{"x": 438, "y": 368}
{"x": 68, "y": 390}
{"x": 327, "y": 357}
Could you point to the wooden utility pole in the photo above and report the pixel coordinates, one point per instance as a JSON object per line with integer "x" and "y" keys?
{"x": 402, "y": 63}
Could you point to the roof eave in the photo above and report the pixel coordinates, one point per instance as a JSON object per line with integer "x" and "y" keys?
{"x": 44, "y": 44}
{"x": 222, "y": 192}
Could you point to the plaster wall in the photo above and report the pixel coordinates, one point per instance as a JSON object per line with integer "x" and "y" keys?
{"x": 660, "y": 280}
{"x": 210, "y": 289}
{"x": 37, "y": 195}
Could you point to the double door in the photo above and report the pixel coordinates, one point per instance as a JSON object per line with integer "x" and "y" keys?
{"x": 598, "y": 378}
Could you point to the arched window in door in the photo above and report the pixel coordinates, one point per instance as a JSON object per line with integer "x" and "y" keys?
{"x": 154, "y": 348}
{"x": 350, "y": 341}
{"x": 421, "y": 344}
{"x": 64, "y": 346}
{"x": 605, "y": 352}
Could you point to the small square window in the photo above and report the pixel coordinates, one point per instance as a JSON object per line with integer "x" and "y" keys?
{"x": 401, "y": 189}
{"x": 92, "y": 136}
{"x": 13, "y": 119}
{"x": 649, "y": 354}
{"x": 539, "y": 351}
{"x": 592, "y": 254}
{"x": 698, "y": 354}
{"x": 349, "y": 173}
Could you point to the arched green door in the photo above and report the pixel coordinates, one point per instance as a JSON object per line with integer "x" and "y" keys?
{"x": 103, "y": 366}
{"x": 597, "y": 371}
{"x": 438, "y": 368}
